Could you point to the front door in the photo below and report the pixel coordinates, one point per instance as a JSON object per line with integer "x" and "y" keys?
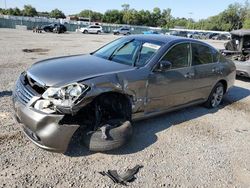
{"x": 173, "y": 87}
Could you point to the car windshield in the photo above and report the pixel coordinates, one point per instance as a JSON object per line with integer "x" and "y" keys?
{"x": 128, "y": 51}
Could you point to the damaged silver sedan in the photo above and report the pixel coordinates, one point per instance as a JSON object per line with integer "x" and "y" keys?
{"x": 130, "y": 78}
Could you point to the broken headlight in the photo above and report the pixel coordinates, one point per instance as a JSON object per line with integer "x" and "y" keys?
{"x": 65, "y": 96}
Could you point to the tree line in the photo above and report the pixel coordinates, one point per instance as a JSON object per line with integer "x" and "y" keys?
{"x": 235, "y": 16}
{"x": 30, "y": 11}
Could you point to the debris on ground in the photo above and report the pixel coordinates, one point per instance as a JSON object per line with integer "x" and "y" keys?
{"x": 35, "y": 50}
{"x": 128, "y": 176}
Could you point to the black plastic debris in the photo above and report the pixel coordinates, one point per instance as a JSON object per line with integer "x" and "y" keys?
{"x": 128, "y": 176}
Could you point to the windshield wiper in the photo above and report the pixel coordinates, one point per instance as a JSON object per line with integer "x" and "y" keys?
{"x": 118, "y": 49}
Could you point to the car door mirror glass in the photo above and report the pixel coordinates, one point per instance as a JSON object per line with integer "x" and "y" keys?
{"x": 164, "y": 66}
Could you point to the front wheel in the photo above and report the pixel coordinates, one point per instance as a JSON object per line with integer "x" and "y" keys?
{"x": 216, "y": 96}
{"x": 116, "y": 137}
{"x": 85, "y": 32}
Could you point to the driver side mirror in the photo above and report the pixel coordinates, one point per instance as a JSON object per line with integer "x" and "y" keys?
{"x": 163, "y": 66}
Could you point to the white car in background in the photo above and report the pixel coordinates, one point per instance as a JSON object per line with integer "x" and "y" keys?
{"x": 96, "y": 29}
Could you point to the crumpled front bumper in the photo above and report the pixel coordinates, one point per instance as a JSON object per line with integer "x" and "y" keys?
{"x": 43, "y": 129}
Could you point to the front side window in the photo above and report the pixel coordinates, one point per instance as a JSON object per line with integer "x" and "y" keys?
{"x": 178, "y": 56}
{"x": 201, "y": 54}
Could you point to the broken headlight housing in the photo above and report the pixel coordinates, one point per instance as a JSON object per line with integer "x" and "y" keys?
{"x": 65, "y": 96}
{"x": 60, "y": 98}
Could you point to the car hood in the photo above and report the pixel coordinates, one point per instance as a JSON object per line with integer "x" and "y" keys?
{"x": 65, "y": 70}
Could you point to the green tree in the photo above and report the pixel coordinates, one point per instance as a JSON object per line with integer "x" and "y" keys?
{"x": 167, "y": 19}
{"x": 113, "y": 16}
{"x": 94, "y": 16}
{"x": 17, "y": 12}
{"x": 181, "y": 22}
{"x": 156, "y": 17}
{"x": 125, "y": 7}
{"x": 44, "y": 14}
{"x": 57, "y": 14}
{"x": 29, "y": 11}
{"x": 246, "y": 24}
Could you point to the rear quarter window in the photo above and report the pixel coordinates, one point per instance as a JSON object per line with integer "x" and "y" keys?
{"x": 223, "y": 59}
{"x": 216, "y": 55}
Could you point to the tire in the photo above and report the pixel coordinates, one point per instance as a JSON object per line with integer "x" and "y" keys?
{"x": 85, "y": 32}
{"x": 216, "y": 96}
{"x": 117, "y": 137}
{"x": 128, "y": 33}
{"x": 98, "y": 32}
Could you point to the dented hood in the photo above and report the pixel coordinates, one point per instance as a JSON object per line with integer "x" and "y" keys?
{"x": 64, "y": 70}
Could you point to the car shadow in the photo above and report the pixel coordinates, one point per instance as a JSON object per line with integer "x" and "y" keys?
{"x": 145, "y": 131}
{"x": 5, "y": 93}
{"x": 244, "y": 79}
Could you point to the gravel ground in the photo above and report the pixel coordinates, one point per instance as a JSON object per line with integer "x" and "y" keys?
{"x": 193, "y": 147}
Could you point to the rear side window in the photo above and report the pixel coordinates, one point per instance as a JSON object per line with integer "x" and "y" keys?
{"x": 96, "y": 27}
{"x": 178, "y": 56}
{"x": 201, "y": 54}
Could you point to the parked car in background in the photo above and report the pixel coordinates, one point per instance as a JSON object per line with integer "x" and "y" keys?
{"x": 57, "y": 28}
{"x": 122, "y": 31}
{"x": 238, "y": 50}
{"x": 211, "y": 35}
{"x": 220, "y": 37}
{"x": 179, "y": 33}
{"x": 133, "y": 77}
{"x": 150, "y": 32}
{"x": 93, "y": 29}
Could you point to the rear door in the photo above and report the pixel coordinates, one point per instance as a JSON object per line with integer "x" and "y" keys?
{"x": 175, "y": 86}
{"x": 206, "y": 68}
{"x": 92, "y": 29}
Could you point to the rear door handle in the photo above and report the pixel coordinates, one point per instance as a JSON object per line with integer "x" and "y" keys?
{"x": 217, "y": 70}
{"x": 189, "y": 75}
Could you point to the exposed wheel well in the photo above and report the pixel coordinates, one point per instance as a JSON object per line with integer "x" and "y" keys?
{"x": 122, "y": 101}
{"x": 224, "y": 82}
{"x": 106, "y": 108}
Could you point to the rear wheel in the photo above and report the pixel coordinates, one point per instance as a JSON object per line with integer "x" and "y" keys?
{"x": 216, "y": 96}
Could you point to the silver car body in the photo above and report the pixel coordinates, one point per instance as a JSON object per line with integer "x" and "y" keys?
{"x": 150, "y": 92}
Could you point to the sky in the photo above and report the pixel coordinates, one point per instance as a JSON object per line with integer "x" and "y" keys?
{"x": 196, "y": 9}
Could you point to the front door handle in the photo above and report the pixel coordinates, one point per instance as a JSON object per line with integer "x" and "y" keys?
{"x": 189, "y": 75}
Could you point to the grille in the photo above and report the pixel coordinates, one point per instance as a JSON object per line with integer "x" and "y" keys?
{"x": 23, "y": 93}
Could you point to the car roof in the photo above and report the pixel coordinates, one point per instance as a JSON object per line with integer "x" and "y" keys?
{"x": 241, "y": 32}
{"x": 165, "y": 39}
